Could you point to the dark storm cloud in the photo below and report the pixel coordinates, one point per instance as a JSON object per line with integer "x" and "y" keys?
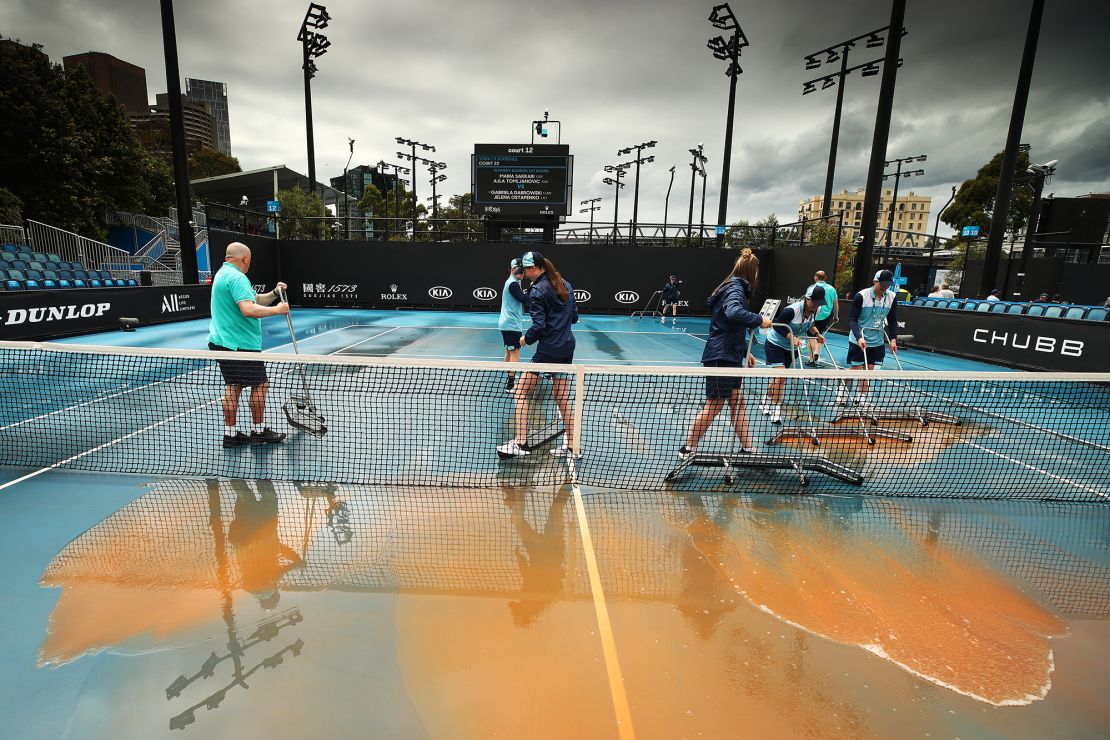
{"x": 620, "y": 72}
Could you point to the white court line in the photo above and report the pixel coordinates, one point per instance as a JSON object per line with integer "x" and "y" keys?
{"x": 1060, "y": 478}
{"x": 99, "y": 399}
{"x": 600, "y": 360}
{"x": 494, "y": 328}
{"x": 605, "y": 628}
{"x": 363, "y": 341}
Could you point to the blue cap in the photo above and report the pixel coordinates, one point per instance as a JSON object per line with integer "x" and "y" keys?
{"x": 514, "y": 264}
{"x": 532, "y": 259}
{"x": 816, "y": 293}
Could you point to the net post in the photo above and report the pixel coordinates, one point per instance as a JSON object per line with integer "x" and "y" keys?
{"x": 579, "y": 404}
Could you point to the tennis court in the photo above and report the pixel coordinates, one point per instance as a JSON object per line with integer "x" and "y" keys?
{"x": 395, "y": 578}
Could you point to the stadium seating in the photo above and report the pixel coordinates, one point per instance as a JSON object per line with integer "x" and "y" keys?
{"x": 1046, "y": 310}
{"x": 22, "y": 268}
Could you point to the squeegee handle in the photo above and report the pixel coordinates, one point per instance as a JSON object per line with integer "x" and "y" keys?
{"x": 289, "y": 319}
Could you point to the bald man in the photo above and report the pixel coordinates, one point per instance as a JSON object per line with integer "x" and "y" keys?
{"x": 237, "y": 314}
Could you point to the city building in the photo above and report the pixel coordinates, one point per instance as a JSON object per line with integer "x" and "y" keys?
{"x": 361, "y": 177}
{"x": 153, "y": 125}
{"x": 911, "y": 215}
{"x": 36, "y": 48}
{"x": 214, "y": 94}
{"x": 114, "y": 76}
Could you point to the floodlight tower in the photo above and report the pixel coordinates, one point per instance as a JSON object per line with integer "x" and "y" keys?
{"x": 591, "y": 206}
{"x": 313, "y": 46}
{"x": 640, "y": 159}
{"x": 839, "y": 53}
{"x": 696, "y": 165}
{"x": 724, "y": 19}
{"x": 414, "y": 159}
{"x": 898, "y": 175}
{"x": 618, "y": 171}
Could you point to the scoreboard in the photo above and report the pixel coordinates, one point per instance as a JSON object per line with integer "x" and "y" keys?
{"x": 522, "y": 180}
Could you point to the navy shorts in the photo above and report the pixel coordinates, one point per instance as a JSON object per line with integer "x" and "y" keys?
{"x": 776, "y": 356}
{"x": 511, "y": 339}
{"x": 243, "y": 373}
{"x": 718, "y": 387}
{"x": 875, "y": 355}
{"x": 540, "y": 356}
{"x": 824, "y": 324}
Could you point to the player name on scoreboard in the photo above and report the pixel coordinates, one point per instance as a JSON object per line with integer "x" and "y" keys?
{"x": 521, "y": 179}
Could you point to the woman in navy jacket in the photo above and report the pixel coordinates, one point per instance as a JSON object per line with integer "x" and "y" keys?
{"x": 553, "y": 310}
{"x": 728, "y": 327}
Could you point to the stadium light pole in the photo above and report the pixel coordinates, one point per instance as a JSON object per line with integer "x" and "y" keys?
{"x": 397, "y": 170}
{"x": 698, "y": 163}
{"x": 414, "y": 159}
{"x": 667, "y": 205}
{"x": 873, "y": 189}
{"x": 839, "y": 53}
{"x": 723, "y": 18}
{"x": 346, "y": 203}
{"x": 189, "y": 274}
{"x": 313, "y": 46}
{"x": 936, "y": 228}
{"x": 591, "y": 206}
{"x": 1001, "y": 213}
{"x": 437, "y": 178}
{"x": 618, "y": 171}
{"x": 639, "y": 160}
{"x": 704, "y": 177}
{"x": 898, "y": 175}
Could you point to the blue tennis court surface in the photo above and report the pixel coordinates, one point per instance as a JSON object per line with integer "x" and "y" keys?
{"x": 156, "y": 606}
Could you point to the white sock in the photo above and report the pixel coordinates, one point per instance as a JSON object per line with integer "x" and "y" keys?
{"x": 257, "y": 428}
{"x": 229, "y": 430}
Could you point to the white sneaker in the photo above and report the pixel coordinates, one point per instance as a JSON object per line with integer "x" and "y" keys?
{"x": 685, "y": 453}
{"x": 863, "y": 400}
{"x": 842, "y": 396}
{"x": 766, "y": 406}
{"x": 674, "y": 322}
{"x": 748, "y": 450}
{"x": 662, "y": 320}
{"x": 776, "y": 415}
{"x": 564, "y": 451}
{"x": 511, "y": 448}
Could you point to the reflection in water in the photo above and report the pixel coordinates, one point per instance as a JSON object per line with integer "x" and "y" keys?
{"x": 541, "y": 557}
{"x": 964, "y": 594}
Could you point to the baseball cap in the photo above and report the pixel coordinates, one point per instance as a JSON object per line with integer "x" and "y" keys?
{"x": 514, "y": 264}
{"x": 884, "y": 277}
{"x": 532, "y": 259}
{"x": 816, "y": 293}
{"x": 996, "y": 291}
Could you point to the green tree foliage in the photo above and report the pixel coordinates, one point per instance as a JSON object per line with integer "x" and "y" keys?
{"x": 11, "y": 208}
{"x": 746, "y": 234}
{"x": 66, "y": 151}
{"x": 391, "y": 212}
{"x": 974, "y": 203}
{"x": 459, "y": 219}
{"x": 302, "y": 215}
{"x": 211, "y": 163}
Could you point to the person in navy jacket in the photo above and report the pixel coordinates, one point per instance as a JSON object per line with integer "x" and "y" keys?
{"x": 728, "y": 328}
{"x": 552, "y": 308}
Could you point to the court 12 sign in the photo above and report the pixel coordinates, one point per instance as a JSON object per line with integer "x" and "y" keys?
{"x": 521, "y": 179}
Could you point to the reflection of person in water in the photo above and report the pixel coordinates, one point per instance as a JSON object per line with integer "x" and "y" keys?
{"x": 543, "y": 559}
{"x": 260, "y": 554}
{"x": 705, "y": 596}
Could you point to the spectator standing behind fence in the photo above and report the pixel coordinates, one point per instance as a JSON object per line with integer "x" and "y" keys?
{"x": 945, "y": 291}
{"x": 728, "y": 327}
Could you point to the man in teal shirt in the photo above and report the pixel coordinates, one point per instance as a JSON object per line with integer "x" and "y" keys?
{"x": 237, "y": 327}
{"x": 827, "y": 313}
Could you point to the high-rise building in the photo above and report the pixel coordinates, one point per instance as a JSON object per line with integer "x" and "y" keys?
{"x": 215, "y": 95}
{"x": 153, "y": 125}
{"x": 114, "y": 76}
{"x": 911, "y": 215}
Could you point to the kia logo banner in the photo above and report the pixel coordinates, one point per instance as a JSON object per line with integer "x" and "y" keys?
{"x": 581, "y": 296}
{"x": 440, "y": 292}
{"x": 626, "y": 296}
{"x": 483, "y": 294}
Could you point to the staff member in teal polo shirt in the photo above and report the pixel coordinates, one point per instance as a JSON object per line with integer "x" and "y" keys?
{"x": 237, "y": 327}
{"x": 827, "y": 313}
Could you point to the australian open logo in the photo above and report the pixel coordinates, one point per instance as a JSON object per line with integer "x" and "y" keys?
{"x": 627, "y": 296}
{"x": 581, "y": 296}
{"x": 440, "y": 292}
{"x": 482, "y": 294}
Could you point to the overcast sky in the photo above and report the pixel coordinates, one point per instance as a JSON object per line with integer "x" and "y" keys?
{"x": 620, "y": 72}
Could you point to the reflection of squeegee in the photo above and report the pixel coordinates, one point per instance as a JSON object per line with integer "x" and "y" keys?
{"x": 300, "y": 411}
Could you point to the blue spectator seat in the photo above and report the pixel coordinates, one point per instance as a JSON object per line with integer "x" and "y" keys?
{"x": 1054, "y": 311}
{"x": 95, "y": 283}
{"x": 53, "y": 257}
{"x": 1035, "y": 309}
{"x": 36, "y": 265}
{"x": 76, "y": 266}
{"x": 970, "y": 305}
{"x": 6, "y": 257}
{"x": 13, "y": 280}
{"x": 50, "y": 265}
{"x": 1097, "y": 313}
{"x": 34, "y": 280}
{"x": 50, "y": 280}
{"x": 10, "y": 248}
{"x": 38, "y": 256}
{"x": 132, "y": 283}
{"x": 81, "y": 274}
{"x": 23, "y": 255}
{"x": 1017, "y": 308}
{"x": 1076, "y": 312}
{"x": 20, "y": 265}
{"x": 985, "y": 305}
{"x": 998, "y": 307}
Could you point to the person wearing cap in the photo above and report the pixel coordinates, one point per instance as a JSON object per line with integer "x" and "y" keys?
{"x": 669, "y": 299}
{"x": 511, "y": 321}
{"x": 995, "y": 295}
{"x": 872, "y": 321}
{"x": 827, "y": 313}
{"x": 793, "y": 322}
{"x": 729, "y": 323}
{"x": 552, "y": 308}
{"x": 1042, "y": 298}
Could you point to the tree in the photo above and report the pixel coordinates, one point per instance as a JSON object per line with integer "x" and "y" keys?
{"x": 211, "y": 163}
{"x": 745, "y": 234}
{"x": 67, "y": 152}
{"x": 303, "y": 216}
{"x": 462, "y": 223}
{"x": 11, "y": 208}
{"x": 974, "y": 203}
{"x": 391, "y": 212}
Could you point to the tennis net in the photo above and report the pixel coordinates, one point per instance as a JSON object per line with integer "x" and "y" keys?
{"x": 398, "y": 422}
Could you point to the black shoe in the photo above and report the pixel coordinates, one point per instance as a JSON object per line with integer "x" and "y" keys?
{"x": 236, "y": 440}
{"x": 510, "y": 384}
{"x": 267, "y": 436}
